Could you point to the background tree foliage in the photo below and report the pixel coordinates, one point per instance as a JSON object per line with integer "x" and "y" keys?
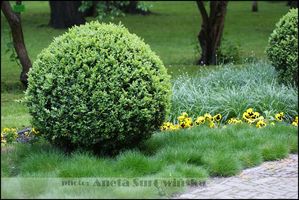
{"x": 104, "y": 9}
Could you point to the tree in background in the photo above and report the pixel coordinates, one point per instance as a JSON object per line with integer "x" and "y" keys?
{"x": 14, "y": 21}
{"x": 292, "y": 4}
{"x": 131, "y": 7}
{"x": 136, "y": 7}
{"x": 211, "y": 31}
{"x": 104, "y": 9}
{"x": 65, "y": 14}
{"x": 254, "y": 6}
{"x": 89, "y": 10}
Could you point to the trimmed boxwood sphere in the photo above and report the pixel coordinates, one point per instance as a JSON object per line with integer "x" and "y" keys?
{"x": 98, "y": 87}
{"x": 282, "y": 50}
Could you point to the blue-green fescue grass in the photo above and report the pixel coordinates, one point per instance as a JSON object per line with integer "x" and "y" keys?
{"x": 195, "y": 153}
{"x": 230, "y": 90}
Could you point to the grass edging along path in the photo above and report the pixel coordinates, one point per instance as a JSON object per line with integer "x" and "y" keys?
{"x": 271, "y": 180}
{"x": 195, "y": 153}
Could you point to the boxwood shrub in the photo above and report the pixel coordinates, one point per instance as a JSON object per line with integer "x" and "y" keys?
{"x": 98, "y": 87}
{"x": 282, "y": 50}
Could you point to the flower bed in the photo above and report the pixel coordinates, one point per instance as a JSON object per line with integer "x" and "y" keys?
{"x": 249, "y": 116}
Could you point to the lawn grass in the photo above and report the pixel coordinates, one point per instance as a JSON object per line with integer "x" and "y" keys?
{"x": 195, "y": 153}
{"x": 171, "y": 31}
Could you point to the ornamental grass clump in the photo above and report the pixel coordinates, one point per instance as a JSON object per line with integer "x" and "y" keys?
{"x": 98, "y": 87}
{"x": 230, "y": 90}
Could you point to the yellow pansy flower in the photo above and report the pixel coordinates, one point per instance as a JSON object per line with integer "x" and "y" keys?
{"x": 6, "y": 130}
{"x": 184, "y": 114}
{"x": 249, "y": 110}
{"x": 261, "y": 124}
{"x": 279, "y": 116}
{"x": 234, "y": 121}
{"x": 296, "y": 119}
{"x": 181, "y": 118}
{"x": 208, "y": 116}
{"x": 255, "y": 115}
{"x": 217, "y": 117}
{"x": 212, "y": 124}
{"x": 200, "y": 120}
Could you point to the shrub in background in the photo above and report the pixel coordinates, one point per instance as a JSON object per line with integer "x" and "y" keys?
{"x": 282, "y": 49}
{"x": 228, "y": 52}
{"x": 98, "y": 87}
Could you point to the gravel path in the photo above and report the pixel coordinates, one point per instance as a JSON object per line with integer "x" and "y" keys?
{"x": 270, "y": 180}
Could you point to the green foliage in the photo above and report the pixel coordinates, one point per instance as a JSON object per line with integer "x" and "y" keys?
{"x": 274, "y": 150}
{"x": 250, "y": 157}
{"x": 221, "y": 152}
{"x": 243, "y": 146}
{"x": 48, "y": 161}
{"x": 94, "y": 167}
{"x": 144, "y": 8}
{"x": 230, "y": 90}
{"x": 134, "y": 163}
{"x": 222, "y": 162}
{"x": 106, "y": 9}
{"x": 173, "y": 43}
{"x": 13, "y": 57}
{"x": 282, "y": 49}
{"x": 228, "y": 52}
{"x": 98, "y": 87}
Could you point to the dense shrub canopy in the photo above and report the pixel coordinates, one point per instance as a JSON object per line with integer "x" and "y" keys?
{"x": 283, "y": 47}
{"x": 228, "y": 52}
{"x": 98, "y": 87}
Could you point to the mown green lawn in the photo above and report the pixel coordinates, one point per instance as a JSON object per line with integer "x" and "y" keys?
{"x": 171, "y": 31}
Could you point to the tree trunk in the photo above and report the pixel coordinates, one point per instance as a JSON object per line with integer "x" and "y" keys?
{"x": 292, "y": 4}
{"x": 92, "y": 11}
{"x": 211, "y": 30}
{"x": 131, "y": 8}
{"x": 14, "y": 21}
{"x": 254, "y": 6}
{"x": 65, "y": 14}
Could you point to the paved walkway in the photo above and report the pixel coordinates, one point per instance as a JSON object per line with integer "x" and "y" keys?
{"x": 271, "y": 180}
